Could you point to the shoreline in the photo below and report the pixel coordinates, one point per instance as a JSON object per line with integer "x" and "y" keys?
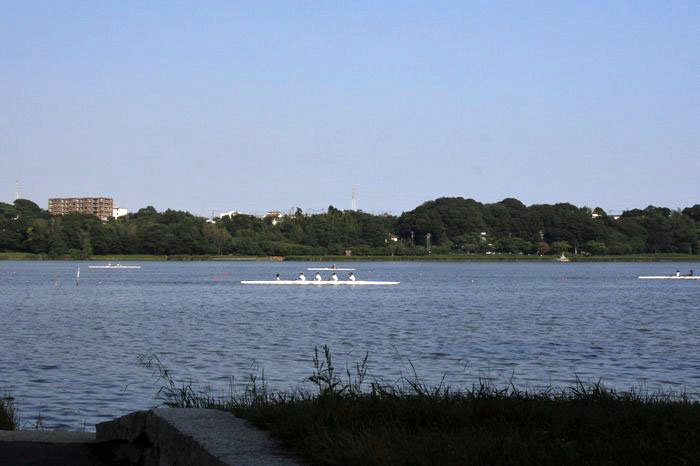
{"x": 661, "y": 257}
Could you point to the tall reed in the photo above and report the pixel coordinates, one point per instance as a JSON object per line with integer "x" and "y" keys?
{"x": 346, "y": 420}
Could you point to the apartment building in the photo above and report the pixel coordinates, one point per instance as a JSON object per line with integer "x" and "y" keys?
{"x": 101, "y": 207}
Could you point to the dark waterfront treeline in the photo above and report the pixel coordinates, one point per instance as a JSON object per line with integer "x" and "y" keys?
{"x": 451, "y": 225}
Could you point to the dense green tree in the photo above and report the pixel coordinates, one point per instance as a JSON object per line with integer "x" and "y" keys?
{"x": 542, "y": 247}
{"x": 514, "y": 245}
{"x": 684, "y": 232}
{"x": 8, "y": 211}
{"x": 456, "y": 225}
{"x": 37, "y": 236}
{"x": 28, "y": 209}
{"x": 560, "y": 247}
{"x": 595, "y": 247}
{"x": 11, "y": 229}
{"x": 693, "y": 212}
{"x": 217, "y": 238}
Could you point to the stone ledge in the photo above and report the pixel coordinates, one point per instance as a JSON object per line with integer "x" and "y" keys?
{"x": 190, "y": 436}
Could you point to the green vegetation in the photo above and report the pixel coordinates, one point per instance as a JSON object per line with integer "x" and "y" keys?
{"x": 658, "y": 257}
{"x": 9, "y": 420}
{"x": 432, "y": 257}
{"x": 346, "y": 422}
{"x": 463, "y": 229}
{"x": 505, "y": 257}
{"x": 128, "y": 257}
{"x": 21, "y": 256}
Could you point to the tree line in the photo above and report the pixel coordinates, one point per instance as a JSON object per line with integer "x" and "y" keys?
{"x": 442, "y": 226}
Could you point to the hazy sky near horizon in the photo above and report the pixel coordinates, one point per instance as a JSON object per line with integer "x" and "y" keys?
{"x": 254, "y": 106}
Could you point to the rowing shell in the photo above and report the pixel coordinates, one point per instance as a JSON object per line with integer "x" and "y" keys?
{"x": 666, "y": 277}
{"x": 330, "y": 269}
{"x": 315, "y": 282}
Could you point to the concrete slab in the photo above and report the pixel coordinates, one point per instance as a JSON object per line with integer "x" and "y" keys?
{"x": 29, "y": 448}
{"x": 54, "y": 436}
{"x": 191, "y": 437}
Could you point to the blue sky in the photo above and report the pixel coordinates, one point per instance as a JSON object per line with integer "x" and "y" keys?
{"x": 255, "y": 106}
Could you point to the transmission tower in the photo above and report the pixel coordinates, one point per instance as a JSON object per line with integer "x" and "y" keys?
{"x": 16, "y": 189}
{"x": 353, "y": 205}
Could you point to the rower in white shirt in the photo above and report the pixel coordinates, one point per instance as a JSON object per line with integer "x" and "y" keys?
{"x": 318, "y": 277}
{"x": 334, "y": 277}
{"x": 351, "y": 277}
{"x": 302, "y": 277}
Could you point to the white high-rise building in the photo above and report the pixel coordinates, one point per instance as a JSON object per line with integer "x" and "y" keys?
{"x": 230, "y": 213}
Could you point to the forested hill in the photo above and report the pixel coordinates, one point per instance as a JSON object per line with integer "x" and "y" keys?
{"x": 455, "y": 225}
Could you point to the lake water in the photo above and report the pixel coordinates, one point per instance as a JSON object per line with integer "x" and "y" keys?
{"x": 69, "y": 354}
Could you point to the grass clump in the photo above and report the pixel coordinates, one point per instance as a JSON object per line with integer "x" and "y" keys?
{"x": 9, "y": 420}
{"x": 348, "y": 421}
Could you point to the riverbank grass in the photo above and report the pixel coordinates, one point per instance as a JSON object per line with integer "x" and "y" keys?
{"x": 659, "y": 257}
{"x": 9, "y": 420}
{"x": 345, "y": 422}
{"x": 504, "y": 257}
{"x": 11, "y": 255}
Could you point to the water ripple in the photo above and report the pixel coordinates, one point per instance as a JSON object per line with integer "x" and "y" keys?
{"x": 69, "y": 355}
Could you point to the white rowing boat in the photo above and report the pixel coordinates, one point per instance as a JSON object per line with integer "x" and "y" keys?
{"x": 329, "y": 269}
{"x": 669, "y": 277}
{"x": 114, "y": 266}
{"x": 316, "y": 282}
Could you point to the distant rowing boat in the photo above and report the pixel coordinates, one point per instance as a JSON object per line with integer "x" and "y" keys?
{"x": 668, "y": 277}
{"x": 330, "y": 269}
{"x": 316, "y": 282}
{"x": 114, "y": 266}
